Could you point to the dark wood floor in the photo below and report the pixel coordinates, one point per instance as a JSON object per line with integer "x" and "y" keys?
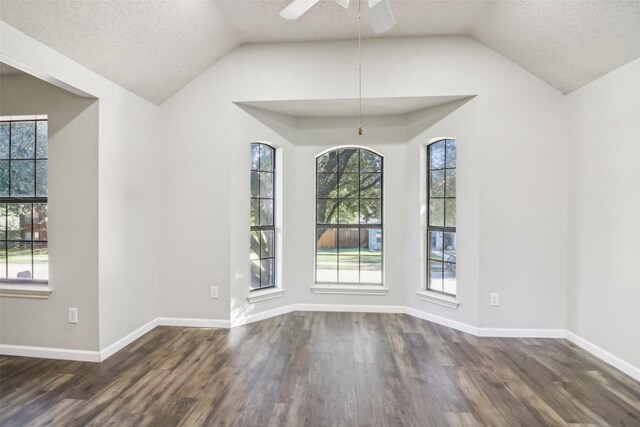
{"x": 322, "y": 369}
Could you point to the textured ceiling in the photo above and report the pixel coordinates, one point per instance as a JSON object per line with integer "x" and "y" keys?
{"x": 155, "y": 47}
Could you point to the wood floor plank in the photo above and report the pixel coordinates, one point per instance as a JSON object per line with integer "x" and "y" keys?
{"x": 322, "y": 369}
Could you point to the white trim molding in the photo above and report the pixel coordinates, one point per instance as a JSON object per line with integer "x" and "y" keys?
{"x": 110, "y": 350}
{"x": 604, "y": 355}
{"x": 25, "y": 291}
{"x": 521, "y": 333}
{"x": 50, "y": 353}
{"x": 350, "y": 289}
{"x": 193, "y": 323}
{"x": 444, "y": 321}
{"x": 265, "y": 295}
{"x": 438, "y": 298}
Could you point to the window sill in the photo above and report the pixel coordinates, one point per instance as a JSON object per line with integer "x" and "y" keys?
{"x": 350, "y": 289}
{"x": 265, "y": 295}
{"x": 437, "y": 298}
{"x": 25, "y": 291}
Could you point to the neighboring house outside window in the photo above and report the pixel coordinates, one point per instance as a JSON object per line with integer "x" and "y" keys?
{"x": 441, "y": 217}
{"x": 24, "y": 254}
{"x": 349, "y": 236}
{"x": 262, "y": 253}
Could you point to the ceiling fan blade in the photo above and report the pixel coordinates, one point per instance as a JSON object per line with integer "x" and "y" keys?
{"x": 343, "y": 3}
{"x": 297, "y": 8}
{"x": 381, "y": 16}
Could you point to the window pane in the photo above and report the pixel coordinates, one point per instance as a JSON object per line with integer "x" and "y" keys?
{"x": 435, "y": 275}
{"x": 23, "y": 140}
{"x": 348, "y": 185}
{"x": 19, "y": 259}
{"x": 451, "y": 213}
{"x": 371, "y": 185}
{"x": 436, "y": 212}
{"x": 255, "y": 211}
{"x": 3, "y": 260}
{"x": 4, "y": 178}
{"x": 255, "y": 157}
{"x": 371, "y": 269}
{"x": 370, "y": 211}
{"x": 451, "y": 183}
{"x": 42, "y": 149}
{"x": 371, "y": 256}
{"x": 266, "y": 185}
{"x": 370, "y": 162}
{"x": 326, "y": 268}
{"x": 436, "y": 243}
{"x": 326, "y": 258}
{"x": 41, "y": 261}
{"x": 266, "y": 158}
{"x": 3, "y": 223}
{"x": 327, "y": 211}
{"x": 449, "y": 281}
{"x": 255, "y": 184}
{"x": 327, "y": 163}
{"x": 267, "y": 244}
{"x": 349, "y": 160}
{"x": 348, "y": 255}
{"x": 22, "y": 178}
{"x": 40, "y": 221}
{"x": 267, "y": 279}
{"x": 437, "y": 184}
{"x": 42, "y": 178}
{"x": 254, "y": 251}
{"x": 266, "y": 212}
{"x": 451, "y": 153}
{"x": 19, "y": 221}
{"x": 255, "y": 274}
{"x": 327, "y": 186}
{"x": 348, "y": 211}
{"x": 450, "y": 247}
{"x": 436, "y": 152}
{"x": 4, "y": 140}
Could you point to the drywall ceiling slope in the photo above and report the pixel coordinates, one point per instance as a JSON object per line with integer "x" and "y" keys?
{"x": 154, "y": 48}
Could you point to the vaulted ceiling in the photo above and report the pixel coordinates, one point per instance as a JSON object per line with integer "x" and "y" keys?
{"x": 154, "y": 48}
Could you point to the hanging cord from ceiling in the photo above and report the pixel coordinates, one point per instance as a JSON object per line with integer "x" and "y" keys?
{"x": 359, "y": 68}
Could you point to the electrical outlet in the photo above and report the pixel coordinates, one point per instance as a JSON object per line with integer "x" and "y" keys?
{"x": 214, "y": 292}
{"x": 494, "y": 299}
{"x": 73, "y": 315}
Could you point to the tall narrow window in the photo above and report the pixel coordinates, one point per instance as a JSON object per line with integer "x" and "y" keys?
{"x": 441, "y": 216}
{"x": 24, "y": 254}
{"x": 262, "y": 253}
{"x": 349, "y": 216}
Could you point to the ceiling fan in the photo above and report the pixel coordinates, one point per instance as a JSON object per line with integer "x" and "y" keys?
{"x": 380, "y": 13}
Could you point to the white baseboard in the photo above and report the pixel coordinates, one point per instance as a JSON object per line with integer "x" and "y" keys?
{"x": 604, "y": 355}
{"x": 244, "y": 319}
{"x": 521, "y": 333}
{"x": 193, "y": 323}
{"x": 97, "y": 356}
{"x": 50, "y": 353}
{"x": 454, "y": 324}
{"x": 350, "y": 308}
{"x": 110, "y": 350}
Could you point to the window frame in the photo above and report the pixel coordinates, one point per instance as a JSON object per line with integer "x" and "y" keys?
{"x": 272, "y": 227}
{"x": 322, "y": 286}
{"x": 444, "y": 228}
{"x": 29, "y": 285}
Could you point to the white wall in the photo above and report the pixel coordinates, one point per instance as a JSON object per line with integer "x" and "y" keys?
{"x": 127, "y": 189}
{"x": 513, "y": 152}
{"x": 73, "y": 219}
{"x": 603, "y": 127}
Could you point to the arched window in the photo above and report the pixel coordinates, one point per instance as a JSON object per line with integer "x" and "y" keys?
{"x": 349, "y": 210}
{"x": 441, "y": 216}
{"x": 263, "y": 240}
